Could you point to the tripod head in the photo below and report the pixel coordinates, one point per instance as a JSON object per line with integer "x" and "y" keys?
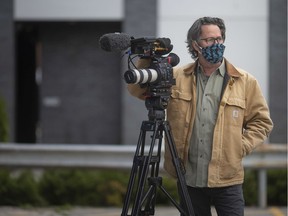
{"x": 156, "y": 102}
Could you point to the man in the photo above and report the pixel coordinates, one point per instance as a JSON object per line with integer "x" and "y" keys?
{"x": 218, "y": 115}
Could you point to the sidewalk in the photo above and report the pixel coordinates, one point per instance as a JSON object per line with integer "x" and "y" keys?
{"x": 88, "y": 211}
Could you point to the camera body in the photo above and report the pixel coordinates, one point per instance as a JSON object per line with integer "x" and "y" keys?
{"x": 159, "y": 74}
{"x": 157, "y": 79}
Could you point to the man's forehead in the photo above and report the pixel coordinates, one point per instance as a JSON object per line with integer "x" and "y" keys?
{"x": 206, "y": 29}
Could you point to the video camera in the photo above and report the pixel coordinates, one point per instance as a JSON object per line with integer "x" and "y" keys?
{"x": 160, "y": 72}
{"x": 158, "y": 77}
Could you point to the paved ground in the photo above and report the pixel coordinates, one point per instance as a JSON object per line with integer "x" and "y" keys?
{"x": 160, "y": 211}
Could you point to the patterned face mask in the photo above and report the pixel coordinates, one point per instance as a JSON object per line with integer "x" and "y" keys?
{"x": 213, "y": 53}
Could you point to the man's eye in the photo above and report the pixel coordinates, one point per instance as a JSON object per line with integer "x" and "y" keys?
{"x": 209, "y": 40}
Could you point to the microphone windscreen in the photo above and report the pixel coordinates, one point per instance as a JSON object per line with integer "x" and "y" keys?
{"x": 173, "y": 59}
{"x": 164, "y": 42}
{"x": 115, "y": 42}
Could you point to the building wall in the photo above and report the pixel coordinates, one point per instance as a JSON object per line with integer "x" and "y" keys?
{"x": 7, "y": 62}
{"x": 246, "y": 37}
{"x": 246, "y": 31}
{"x": 278, "y": 69}
{"x": 255, "y": 40}
{"x": 68, "y": 10}
{"x": 80, "y": 85}
{"x": 140, "y": 20}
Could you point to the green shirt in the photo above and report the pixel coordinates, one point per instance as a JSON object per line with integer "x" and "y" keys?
{"x": 208, "y": 99}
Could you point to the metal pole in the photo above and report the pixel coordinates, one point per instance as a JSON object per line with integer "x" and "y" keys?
{"x": 262, "y": 188}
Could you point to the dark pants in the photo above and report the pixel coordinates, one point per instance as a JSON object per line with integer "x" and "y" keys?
{"x": 228, "y": 201}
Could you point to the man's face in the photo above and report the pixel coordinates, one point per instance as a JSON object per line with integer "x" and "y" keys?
{"x": 210, "y": 34}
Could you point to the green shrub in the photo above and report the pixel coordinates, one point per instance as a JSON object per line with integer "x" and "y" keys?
{"x": 6, "y": 187}
{"x": 66, "y": 187}
{"x": 277, "y": 190}
{"x": 112, "y": 187}
{"x": 82, "y": 187}
{"x": 250, "y": 188}
{"x": 21, "y": 190}
{"x": 276, "y": 187}
{"x": 62, "y": 187}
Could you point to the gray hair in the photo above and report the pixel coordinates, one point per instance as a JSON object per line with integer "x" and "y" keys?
{"x": 195, "y": 31}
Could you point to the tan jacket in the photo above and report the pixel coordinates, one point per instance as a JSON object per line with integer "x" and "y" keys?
{"x": 243, "y": 122}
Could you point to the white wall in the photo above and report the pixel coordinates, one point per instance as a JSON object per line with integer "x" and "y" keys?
{"x": 246, "y": 22}
{"x": 246, "y": 30}
{"x": 63, "y": 10}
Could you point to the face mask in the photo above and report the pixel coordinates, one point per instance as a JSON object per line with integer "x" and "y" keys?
{"x": 213, "y": 53}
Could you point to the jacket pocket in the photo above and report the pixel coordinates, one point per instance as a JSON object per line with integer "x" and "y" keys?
{"x": 179, "y": 102}
{"x": 234, "y": 112}
{"x": 175, "y": 94}
{"x": 178, "y": 105}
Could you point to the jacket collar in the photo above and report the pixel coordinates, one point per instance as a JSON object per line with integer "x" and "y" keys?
{"x": 231, "y": 70}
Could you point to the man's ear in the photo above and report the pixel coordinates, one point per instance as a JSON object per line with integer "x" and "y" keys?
{"x": 196, "y": 46}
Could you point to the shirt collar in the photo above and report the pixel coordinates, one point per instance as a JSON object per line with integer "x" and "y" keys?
{"x": 226, "y": 65}
{"x": 221, "y": 69}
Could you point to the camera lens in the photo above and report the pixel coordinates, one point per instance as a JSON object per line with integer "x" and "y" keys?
{"x": 140, "y": 76}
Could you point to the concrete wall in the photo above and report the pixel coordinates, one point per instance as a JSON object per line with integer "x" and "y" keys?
{"x": 246, "y": 30}
{"x": 278, "y": 69}
{"x": 80, "y": 89}
{"x": 256, "y": 37}
{"x": 7, "y": 62}
{"x": 140, "y": 17}
{"x": 256, "y": 42}
{"x": 68, "y": 10}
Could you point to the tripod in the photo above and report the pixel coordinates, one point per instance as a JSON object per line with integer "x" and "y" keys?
{"x": 144, "y": 184}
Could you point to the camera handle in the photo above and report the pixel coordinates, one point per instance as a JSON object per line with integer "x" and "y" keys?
{"x": 145, "y": 161}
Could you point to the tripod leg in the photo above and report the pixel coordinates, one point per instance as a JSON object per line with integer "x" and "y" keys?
{"x": 183, "y": 192}
{"x": 155, "y": 127}
{"x": 141, "y": 165}
{"x": 150, "y": 196}
{"x": 133, "y": 173}
{"x": 154, "y": 181}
